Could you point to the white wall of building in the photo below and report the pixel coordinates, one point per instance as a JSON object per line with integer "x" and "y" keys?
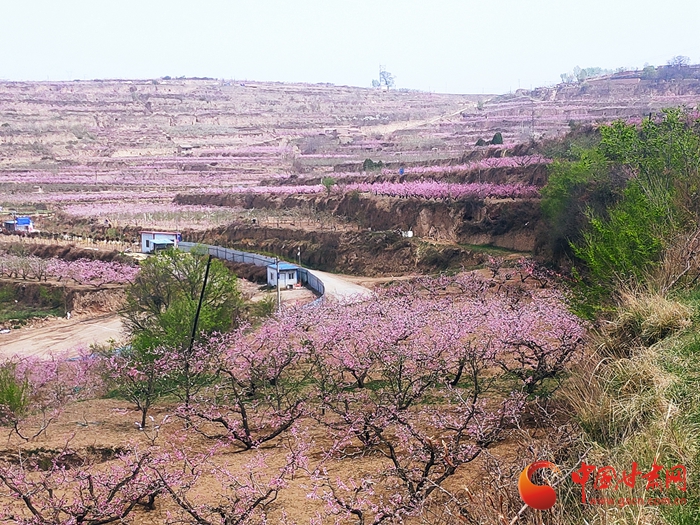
{"x": 148, "y": 239}
{"x": 287, "y": 277}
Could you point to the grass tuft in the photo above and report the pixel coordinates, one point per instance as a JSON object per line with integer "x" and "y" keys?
{"x": 644, "y": 319}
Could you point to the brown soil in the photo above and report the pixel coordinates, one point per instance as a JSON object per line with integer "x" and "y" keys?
{"x": 65, "y": 251}
{"x": 249, "y": 272}
{"x": 78, "y": 299}
{"x": 356, "y": 253}
{"x": 506, "y": 223}
{"x": 97, "y": 431}
{"x": 358, "y": 250}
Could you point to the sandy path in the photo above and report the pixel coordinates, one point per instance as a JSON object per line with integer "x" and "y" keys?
{"x": 338, "y": 288}
{"x": 64, "y": 335}
{"x": 61, "y": 335}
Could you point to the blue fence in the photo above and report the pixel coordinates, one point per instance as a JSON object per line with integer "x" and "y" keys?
{"x": 228, "y": 254}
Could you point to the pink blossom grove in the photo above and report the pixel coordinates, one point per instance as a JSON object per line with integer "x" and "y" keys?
{"x": 82, "y": 271}
{"x": 415, "y": 189}
{"x": 370, "y": 373}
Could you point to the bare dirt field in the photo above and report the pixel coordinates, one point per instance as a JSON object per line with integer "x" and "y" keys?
{"x": 107, "y": 427}
{"x": 61, "y": 336}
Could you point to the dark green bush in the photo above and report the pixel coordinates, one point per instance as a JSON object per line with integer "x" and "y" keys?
{"x": 14, "y": 393}
{"x": 370, "y": 165}
{"x": 618, "y": 204}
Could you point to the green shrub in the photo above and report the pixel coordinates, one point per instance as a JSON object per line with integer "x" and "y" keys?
{"x": 628, "y": 242}
{"x": 328, "y": 183}
{"x": 370, "y": 165}
{"x": 14, "y": 393}
{"x": 619, "y": 204}
{"x": 51, "y": 297}
{"x": 575, "y": 188}
{"x": 263, "y": 308}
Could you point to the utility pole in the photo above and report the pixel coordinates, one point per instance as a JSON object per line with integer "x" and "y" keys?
{"x": 199, "y": 305}
{"x": 277, "y": 281}
{"x": 194, "y": 331}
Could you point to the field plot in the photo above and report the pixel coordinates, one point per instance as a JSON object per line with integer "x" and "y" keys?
{"x": 365, "y": 408}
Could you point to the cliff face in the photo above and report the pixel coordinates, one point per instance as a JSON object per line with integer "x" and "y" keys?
{"x": 360, "y": 252}
{"x": 506, "y": 223}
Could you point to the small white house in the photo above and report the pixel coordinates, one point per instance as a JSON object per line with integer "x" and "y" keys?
{"x": 288, "y": 275}
{"x": 152, "y": 241}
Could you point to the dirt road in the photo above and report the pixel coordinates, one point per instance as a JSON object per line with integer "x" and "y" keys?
{"x": 69, "y": 335}
{"x": 61, "y": 335}
{"x": 338, "y": 288}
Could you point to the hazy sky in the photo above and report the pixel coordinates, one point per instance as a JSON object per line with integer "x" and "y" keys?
{"x": 458, "y": 46}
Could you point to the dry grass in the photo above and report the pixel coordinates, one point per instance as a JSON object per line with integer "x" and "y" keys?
{"x": 633, "y": 402}
{"x": 614, "y": 399}
{"x": 679, "y": 265}
{"x": 643, "y": 319}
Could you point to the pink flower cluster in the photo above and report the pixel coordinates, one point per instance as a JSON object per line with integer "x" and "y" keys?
{"x": 93, "y": 272}
{"x": 419, "y": 190}
{"x": 422, "y": 376}
{"x": 266, "y": 190}
{"x": 483, "y": 164}
{"x": 79, "y": 196}
{"x": 443, "y": 190}
{"x": 83, "y": 271}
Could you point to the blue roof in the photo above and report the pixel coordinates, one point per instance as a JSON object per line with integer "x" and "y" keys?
{"x": 284, "y": 266}
{"x": 24, "y": 221}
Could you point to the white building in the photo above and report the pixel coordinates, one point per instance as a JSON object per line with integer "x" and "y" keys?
{"x": 152, "y": 241}
{"x": 288, "y": 275}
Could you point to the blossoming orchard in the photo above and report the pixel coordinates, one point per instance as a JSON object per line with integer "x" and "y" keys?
{"x": 368, "y": 374}
{"x": 455, "y": 304}
{"x": 82, "y": 271}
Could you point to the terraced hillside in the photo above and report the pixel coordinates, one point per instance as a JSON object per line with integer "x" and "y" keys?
{"x": 116, "y": 155}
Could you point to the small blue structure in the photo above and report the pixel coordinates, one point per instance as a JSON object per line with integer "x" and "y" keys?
{"x": 19, "y": 224}
{"x": 288, "y": 275}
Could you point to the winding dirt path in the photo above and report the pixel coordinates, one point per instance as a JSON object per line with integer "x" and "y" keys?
{"x": 60, "y": 335}
{"x": 70, "y": 335}
{"x": 340, "y": 289}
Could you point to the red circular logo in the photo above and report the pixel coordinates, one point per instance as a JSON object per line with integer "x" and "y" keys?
{"x": 540, "y": 497}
